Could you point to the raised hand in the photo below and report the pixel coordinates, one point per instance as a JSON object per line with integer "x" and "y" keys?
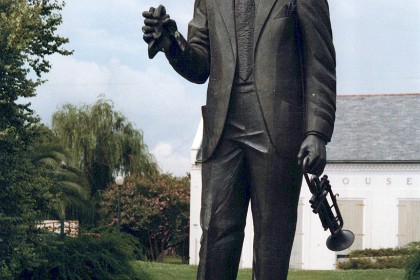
{"x": 158, "y": 30}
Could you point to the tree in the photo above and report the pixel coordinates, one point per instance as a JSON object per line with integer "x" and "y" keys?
{"x": 24, "y": 197}
{"x": 154, "y": 209}
{"x": 101, "y": 141}
{"x": 27, "y": 37}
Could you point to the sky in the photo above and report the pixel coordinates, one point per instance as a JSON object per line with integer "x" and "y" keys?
{"x": 377, "y": 45}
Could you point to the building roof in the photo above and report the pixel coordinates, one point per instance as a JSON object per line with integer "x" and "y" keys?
{"x": 370, "y": 128}
{"x": 379, "y": 128}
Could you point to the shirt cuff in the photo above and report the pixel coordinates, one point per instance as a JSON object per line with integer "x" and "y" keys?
{"x": 320, "y": 135}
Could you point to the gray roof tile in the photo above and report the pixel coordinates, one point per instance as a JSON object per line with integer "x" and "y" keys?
{"x": 376, "y": 128}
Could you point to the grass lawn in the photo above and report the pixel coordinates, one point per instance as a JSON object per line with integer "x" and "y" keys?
{"x": 165, "y": 271}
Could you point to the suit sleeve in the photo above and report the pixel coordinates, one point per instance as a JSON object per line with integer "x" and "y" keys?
{"x": 191, "y": 59}
{"x": 318, "y": 65}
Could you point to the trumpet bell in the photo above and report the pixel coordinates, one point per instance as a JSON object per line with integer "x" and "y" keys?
{"x": 340, "y": 240}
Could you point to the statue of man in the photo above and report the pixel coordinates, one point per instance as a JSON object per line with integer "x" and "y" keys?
{"x": 270, "y": 66}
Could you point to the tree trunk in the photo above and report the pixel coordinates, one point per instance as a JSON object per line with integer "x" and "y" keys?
{"x": 151, "y": 247}
{"x": 62, "y": 227}
{"x": 62, "y": 218}
{"x": 156, "y": 250}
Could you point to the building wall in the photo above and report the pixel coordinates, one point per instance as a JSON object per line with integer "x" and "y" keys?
{"x": 373, "y": 198}
{"x": 195, "y": 199}
{"x": 71, "y": 228}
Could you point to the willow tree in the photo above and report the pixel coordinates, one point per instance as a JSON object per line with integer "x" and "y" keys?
{"x": 101, "y": 142}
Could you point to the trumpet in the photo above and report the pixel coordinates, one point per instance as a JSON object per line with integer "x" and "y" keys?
{"x": 339, "y": 239}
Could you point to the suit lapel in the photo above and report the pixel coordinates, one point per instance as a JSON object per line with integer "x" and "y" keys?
{"x": 263, "y": 8}
{"x": 226, "y": 9}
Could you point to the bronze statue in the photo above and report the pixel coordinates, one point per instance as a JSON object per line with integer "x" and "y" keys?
{"x": 270, "y": 66}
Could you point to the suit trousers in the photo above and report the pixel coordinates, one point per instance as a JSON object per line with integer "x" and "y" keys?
{"x": 246, "y": 168}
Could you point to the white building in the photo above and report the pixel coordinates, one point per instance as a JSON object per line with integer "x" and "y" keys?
{"x": 374, "y": 166}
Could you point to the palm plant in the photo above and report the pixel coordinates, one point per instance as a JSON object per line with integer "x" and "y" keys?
{"x": 69, "y": 191}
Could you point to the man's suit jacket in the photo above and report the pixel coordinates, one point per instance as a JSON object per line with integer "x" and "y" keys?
{"x": 294, "y": 68}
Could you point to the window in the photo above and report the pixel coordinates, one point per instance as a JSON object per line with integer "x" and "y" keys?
{"x": 352, "y": 212}
{"x": 408, "y": 221}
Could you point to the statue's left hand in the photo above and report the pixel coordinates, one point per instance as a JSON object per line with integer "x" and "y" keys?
{"x": 313, "y": 150}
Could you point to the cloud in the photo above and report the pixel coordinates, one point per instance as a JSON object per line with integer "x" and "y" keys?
{"x": 70, "y": 81}
{"x": 139, "y": 93}
{"x": 170, "y": 161}
{"x": 98, "y": 29}
{"x": 156, "y": 101}
{"x": 377, "y": 44}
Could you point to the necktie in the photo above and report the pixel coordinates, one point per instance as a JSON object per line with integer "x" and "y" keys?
{"x": 244, "y": 20}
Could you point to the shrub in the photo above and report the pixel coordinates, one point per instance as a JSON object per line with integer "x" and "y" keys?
{"x": 86, "y": 257}
{"x": 127, "y": 243}
{"x": 373, "y": 263}
{"x": 380, "y": 258}
{"x": 412, "y": 268}
{"x": 384, "y": 252}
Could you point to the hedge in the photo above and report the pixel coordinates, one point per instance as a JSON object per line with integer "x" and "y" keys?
{"x": 381, "y": 258}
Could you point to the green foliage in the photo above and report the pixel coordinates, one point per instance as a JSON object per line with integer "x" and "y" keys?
{"x": 156, "y": 210}
{"x": 412, "y": 267}
{"x": 101, "y": 140}
{"x": 69, "y": 191}
{"x": 23, "y": 196}
{"x": 413, "y": 246}
{"x": 380, "y": 258}
{"x": 86, "y": 257}
{"x": 373, "y": 263}
{"x": 383, "y": 252}
{"x": 27, "y": 37}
